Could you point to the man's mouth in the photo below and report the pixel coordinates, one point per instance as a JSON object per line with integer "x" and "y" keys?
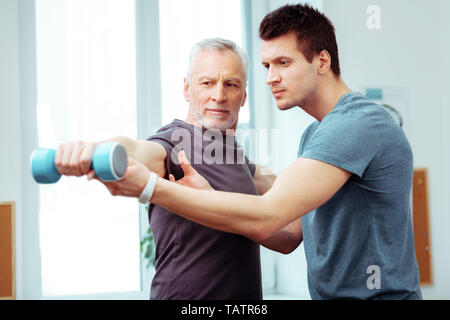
{"x": 277, "y": 93}
{"x": 217, "y": 112}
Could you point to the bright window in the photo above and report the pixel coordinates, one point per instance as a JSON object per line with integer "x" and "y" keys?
{"x": 86, "y": 91}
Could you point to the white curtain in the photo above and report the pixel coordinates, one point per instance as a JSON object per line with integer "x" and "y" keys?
{"x": 86, "y": 76}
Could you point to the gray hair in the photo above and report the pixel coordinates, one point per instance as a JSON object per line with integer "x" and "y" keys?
{"x": 219, "y": 44}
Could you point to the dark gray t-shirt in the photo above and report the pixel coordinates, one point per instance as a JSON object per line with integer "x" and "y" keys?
{"x": 194, "y": 261}
{"x": 360, "y": 243}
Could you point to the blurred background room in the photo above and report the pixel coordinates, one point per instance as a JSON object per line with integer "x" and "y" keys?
{"x": 93, "y": 69}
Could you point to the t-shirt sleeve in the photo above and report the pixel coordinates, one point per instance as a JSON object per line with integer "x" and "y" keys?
{"x": 305, "y": 137}
{"x": 164, "y": 139}
{"x": 347, "y": 141}
{"x": 166, "y": 144}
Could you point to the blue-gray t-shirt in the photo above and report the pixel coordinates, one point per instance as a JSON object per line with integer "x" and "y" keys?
{"x": 360, "y": 243}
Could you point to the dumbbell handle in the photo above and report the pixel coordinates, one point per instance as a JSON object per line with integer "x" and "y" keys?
{"x": 109, "y": 163}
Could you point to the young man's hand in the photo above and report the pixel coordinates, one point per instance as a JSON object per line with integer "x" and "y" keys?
{"x": 132, "y": 183}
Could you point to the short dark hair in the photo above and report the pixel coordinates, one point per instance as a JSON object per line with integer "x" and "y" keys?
{"x": 314, "y": 31}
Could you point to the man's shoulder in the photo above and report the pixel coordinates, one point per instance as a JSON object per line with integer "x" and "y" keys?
{"x": 356, "y": 115}
{"x": 354, "y": 105}
{"x": 172, "y": 130}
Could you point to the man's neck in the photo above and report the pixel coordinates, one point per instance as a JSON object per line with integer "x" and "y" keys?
{"x": 231, "y": 131}
{"x": 328, "y": 95}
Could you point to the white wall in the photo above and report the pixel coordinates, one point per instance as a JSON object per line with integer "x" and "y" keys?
{"x": 10, "y": 135}
{"x": 9, "y": 102}
{"x": 17, "y": 115}
{"x": 410, "y": 50}
{"x": 441, "y": 211}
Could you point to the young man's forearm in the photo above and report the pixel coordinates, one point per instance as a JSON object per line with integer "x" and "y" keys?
{"x": 287, "y": 239}
{"x": 303, "y": 186}
{"x": 244, "y": 214}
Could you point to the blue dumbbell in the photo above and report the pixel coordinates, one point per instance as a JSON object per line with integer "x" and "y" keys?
{"x": 109, "y": 163}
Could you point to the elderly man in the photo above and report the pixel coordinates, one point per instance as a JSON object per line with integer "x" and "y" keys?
{"x": 194, "y": 261}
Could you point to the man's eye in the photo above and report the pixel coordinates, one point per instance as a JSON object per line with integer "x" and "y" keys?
{"x": 206, "y": 83}
{"x": 232, "y": 85}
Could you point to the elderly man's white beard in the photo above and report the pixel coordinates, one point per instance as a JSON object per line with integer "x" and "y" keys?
{"x": 214, "y": 124}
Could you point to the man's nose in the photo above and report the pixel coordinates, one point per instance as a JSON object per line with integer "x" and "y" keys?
{"x": 272, "y": 77}
{"x": 219, "y": 94}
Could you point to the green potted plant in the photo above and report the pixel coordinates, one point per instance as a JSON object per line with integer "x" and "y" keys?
{"x": 148, "y": 246}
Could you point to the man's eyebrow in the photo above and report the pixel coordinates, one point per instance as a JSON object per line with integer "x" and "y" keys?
{"x": 233, "y": 79}
{"x": 205, "y": 77}
{"x": 276, "y": 59}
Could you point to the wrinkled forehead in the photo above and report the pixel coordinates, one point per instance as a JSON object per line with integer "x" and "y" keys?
{"x": 215, "y": 62}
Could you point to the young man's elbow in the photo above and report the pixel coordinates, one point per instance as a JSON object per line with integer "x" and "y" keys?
{"x": 293, "y": 243}
{"x": 290, "y": 248}
{"x": 261, "y": 232}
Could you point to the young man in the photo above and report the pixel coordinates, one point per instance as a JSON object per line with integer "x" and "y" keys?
{"x": 347, "y": 196}
{"x": 194, "y": 261}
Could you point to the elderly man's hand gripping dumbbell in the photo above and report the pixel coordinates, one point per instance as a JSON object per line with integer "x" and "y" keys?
{"x": 108, "y": 160}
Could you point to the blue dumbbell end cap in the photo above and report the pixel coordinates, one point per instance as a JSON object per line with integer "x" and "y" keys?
{"x": 43, "y": 166}
{"x": 110, "y": 161}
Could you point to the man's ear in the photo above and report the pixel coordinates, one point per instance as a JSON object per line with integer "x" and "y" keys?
{"x": 324, "y": 62}
{"x": 186, "y": 90}
{"x": 244, "y": 98}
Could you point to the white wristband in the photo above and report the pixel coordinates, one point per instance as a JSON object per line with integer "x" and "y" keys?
{"x": 147, "y": 193}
